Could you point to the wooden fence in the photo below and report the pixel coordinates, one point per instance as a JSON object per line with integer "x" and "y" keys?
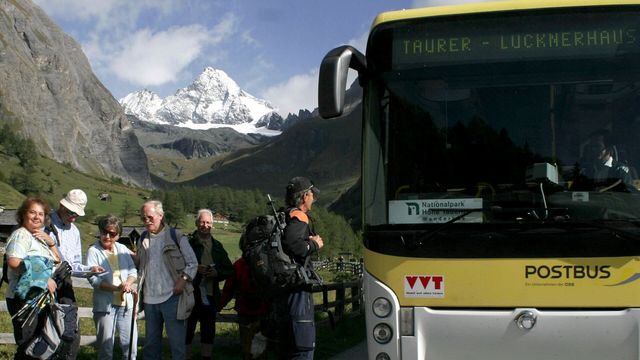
{"x": 353, "y": 267}
{"x": 334, "y": 306}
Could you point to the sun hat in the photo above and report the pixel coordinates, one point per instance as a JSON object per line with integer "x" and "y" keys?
{"x": 75, "y": 200}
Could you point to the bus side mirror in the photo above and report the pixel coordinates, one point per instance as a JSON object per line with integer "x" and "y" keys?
{"x": 333, "y": 78}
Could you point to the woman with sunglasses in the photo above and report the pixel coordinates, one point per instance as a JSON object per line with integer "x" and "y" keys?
{"x": 113, "y": 303}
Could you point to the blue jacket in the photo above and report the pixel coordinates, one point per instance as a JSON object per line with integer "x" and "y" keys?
{"x": 35, "y": 277}
{"x": 102, "y": 299}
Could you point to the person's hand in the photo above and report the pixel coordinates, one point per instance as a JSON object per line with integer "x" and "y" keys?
{"x": 211, "y": 273}
{"x": 318, "y": 240}
{"x": 97, "y": 269}
{"x": 179, "y": 287}
{"x": 203, "y": 269}
{"x": 52, "y": 286}
{"x": 126, "y": 288}
{"x": 44, "y": 237}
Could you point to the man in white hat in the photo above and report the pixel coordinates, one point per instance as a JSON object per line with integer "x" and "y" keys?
{"x": 69, "y": 242}
{"x": 67, "y": 233}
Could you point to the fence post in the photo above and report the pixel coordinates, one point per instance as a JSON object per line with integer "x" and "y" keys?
{"x": 356, "y": 298}
{"x": 340, "y": 302}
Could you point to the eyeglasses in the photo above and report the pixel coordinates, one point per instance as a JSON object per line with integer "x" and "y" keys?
{"x": 111, "y": 234}
{"x": 147, "y": 218}
{"x": 72, "y": 214}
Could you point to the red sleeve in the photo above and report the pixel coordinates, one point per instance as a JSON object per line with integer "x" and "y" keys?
{"x": 229, "y": 289}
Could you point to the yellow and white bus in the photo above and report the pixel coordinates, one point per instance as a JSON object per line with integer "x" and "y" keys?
{"x": 501, "y": 210}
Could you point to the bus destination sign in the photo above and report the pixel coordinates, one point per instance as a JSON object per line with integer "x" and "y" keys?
{"x": 542, "y": 38}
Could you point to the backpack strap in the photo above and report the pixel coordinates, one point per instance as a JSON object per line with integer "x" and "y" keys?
{"x": 51, "y": 229}
{"x": 172, "y": 231}
{"x": 174, "y": 236}
{"x": 141, "y": 239}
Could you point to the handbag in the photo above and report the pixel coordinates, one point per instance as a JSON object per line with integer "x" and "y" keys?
{"x": 49, "y": 338}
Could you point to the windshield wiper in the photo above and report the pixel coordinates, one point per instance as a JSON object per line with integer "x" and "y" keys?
{"x": 437, "y": 230}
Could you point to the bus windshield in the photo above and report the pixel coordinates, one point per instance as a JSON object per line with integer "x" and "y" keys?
{"x": 534, "y": 119}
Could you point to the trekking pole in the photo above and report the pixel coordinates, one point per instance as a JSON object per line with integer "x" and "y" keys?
{"x": 275, "y": 213}
{"x": 133, "y": 323}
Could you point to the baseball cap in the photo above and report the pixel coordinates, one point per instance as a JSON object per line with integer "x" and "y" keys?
{"x": 75, "y": 201}
{"x": 300, "y": 183}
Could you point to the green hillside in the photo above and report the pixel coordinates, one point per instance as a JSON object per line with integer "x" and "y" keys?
{"x": 51, "y": 181}
{"x": 177, "y": 169}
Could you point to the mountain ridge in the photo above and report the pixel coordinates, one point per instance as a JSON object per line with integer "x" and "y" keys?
{"x": 213, "y": 99}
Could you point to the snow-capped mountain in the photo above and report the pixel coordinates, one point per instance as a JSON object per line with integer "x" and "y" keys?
{"x": 212, "y": 100}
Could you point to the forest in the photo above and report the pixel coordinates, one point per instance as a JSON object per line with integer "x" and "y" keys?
{"x": 243, "y": 205}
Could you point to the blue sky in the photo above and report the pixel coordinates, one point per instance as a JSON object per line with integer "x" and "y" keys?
{"x": 271, "y": 48}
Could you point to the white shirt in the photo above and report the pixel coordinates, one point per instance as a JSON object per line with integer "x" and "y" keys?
{"x": 69, "y": 244}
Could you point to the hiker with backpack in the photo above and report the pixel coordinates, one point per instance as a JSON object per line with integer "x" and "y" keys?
{"x": 214, "y": 266}
{"x": 29, "y": 241}
{"x": 293, "y": 311}
{"x": 167, "y": 266}
{"x": 113, "y": 300}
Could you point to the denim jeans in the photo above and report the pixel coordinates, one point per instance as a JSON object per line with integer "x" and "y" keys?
{"x": 159, "y": 315}
{"x": 118, "y": 318}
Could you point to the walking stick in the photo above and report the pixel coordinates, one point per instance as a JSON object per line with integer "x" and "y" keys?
{"x": 133, "y": 323}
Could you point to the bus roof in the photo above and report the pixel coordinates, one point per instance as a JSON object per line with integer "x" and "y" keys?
{"x": 491, "y": 7}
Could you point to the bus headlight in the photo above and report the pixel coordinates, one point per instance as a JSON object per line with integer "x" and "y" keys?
{"x": 382, "y": 333}
{"x": 381, "y": 307}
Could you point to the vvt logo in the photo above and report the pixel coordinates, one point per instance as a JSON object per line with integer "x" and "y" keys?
{"x": 425, "y": 281}
{"x": 413, "y": 208}
{"x": 426, "y": 286}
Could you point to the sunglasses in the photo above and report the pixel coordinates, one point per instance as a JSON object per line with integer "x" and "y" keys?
{"x": 111, "y": 234}
{"x": 72, "y": 214}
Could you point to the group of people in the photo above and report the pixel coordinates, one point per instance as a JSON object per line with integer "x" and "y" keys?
{"x": 173, "y": 278}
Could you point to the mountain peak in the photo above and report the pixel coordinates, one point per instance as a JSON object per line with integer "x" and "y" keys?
{"x": 214, "y": 80}
{"x": 213, "y": 100}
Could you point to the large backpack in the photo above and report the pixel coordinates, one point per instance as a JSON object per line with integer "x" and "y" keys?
{"x": 273, "y": 271}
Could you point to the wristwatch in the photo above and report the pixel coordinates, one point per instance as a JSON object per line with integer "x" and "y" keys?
{"x": 185, "y": 277}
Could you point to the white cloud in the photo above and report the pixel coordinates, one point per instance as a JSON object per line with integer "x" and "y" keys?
{"x": 299, "y": 92}
{"x": 224, "y": 29}
{"x": 106, "y": 14}
{"x": 151, "y": 59}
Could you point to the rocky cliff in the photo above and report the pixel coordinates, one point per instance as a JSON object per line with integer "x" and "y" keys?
{"x": 48, "y": 88}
